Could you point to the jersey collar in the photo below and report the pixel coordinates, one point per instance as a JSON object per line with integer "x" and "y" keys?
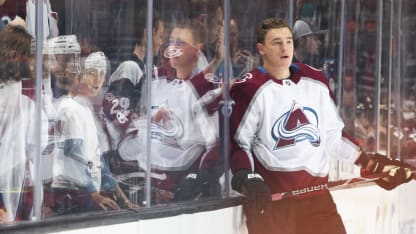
{"x": 294, "y": 73}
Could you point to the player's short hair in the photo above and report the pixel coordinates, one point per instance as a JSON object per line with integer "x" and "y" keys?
{"x": 141, "y": 23}
{"x": 268, "y": 24}
{"x": 194, "y": 26}
{"x": 14, "y": 53}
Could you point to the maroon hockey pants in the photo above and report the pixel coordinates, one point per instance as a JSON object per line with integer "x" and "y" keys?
{"x": 314, "y": 215}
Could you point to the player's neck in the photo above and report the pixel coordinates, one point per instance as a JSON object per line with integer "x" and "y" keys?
{"x": 73, "y": 93}
{"x": 279, "y": 73}
{"x": 184, "y": 73}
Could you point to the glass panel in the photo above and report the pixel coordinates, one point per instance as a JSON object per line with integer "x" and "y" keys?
{"x": 366, "y": 74}
{"x": 243, "y": 39}
{"x": 96, "y": 98}
{"x": 20, "y": 127}
{"x": 94, "y": 69}
{"x": 124, "y": 42}
{"x": 403, "y": 134}
{"x": 384, "y": 95}
{"x": 184, "y": 99}
{"x": 360, "y": 56}
{"x": 357, "y": 88}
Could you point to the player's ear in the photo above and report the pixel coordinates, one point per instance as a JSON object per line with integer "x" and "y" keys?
{"x": 260, "y": 48}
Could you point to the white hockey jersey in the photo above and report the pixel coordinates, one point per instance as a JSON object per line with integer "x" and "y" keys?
{"x": 286, "y": 130}
{"x": 76, "y": 154}
{"x": 180, "y": 130}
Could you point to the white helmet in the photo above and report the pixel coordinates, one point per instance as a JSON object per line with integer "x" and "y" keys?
{"x": 66, "y": 44}
{"x": 97, "y": 60}
{"x": 33, "y": 47}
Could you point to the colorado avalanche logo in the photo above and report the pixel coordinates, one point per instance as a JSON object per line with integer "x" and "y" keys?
{"x": 298, "y": 124}
{"x": 244, "y": 78}
{"x": 213, "y": 78}
{"x": 166, "y": 126}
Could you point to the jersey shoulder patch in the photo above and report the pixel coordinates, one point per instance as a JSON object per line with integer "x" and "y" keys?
{"x": 311, "y": 72}
{"x": 250, "y": 83}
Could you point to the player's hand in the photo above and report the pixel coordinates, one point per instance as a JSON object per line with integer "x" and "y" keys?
{"x": 103, "y": 202}
{"x": 257, "y": 196}
{"x": 162, "y": 196}
{"x": 195, "y": 185}
{"x": 126, "y": 202}
{"x": 394, "y": 172}
{"x": 129, "y": 205}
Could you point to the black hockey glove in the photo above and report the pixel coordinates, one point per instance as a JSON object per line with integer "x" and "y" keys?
{"x": 118, "y": 165}
{"x": 196, "y": 185}
{"x": 257, "y": 196}
{"x": 394, "y": 172}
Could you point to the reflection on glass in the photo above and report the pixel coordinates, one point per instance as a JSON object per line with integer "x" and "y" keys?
{"x": 184, "y": 156}
{"x": 18, "y": 136}
{"x": 77, "y": 169}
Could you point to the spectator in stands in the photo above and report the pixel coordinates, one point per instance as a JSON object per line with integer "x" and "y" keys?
{"x": 242, "y": 57}
{"x": 307, "y": 44}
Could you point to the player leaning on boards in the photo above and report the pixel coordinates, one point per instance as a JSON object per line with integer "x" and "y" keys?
{"x": 284, "y": 128}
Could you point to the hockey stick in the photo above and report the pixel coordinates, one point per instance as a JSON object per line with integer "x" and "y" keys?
{"x": 340, "y": 184}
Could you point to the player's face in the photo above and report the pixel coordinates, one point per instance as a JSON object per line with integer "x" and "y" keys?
{"x": 91, "y": 82}
{"x": 277, "y": 50}
{"x": 66, "y": 69}
{"x": 183, "y": 41}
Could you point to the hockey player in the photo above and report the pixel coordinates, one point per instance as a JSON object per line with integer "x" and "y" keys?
{"x": 122, "y": 100}
{"x": 182, "y": 135}
{"x": 93, "y": 76}
{"x": 126, "y": 82}
{"x": 158, "y": 34}
{"x": 18, "y": 135}
{"x": 284, "y": 128}
{"x": 76, "y": 180}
